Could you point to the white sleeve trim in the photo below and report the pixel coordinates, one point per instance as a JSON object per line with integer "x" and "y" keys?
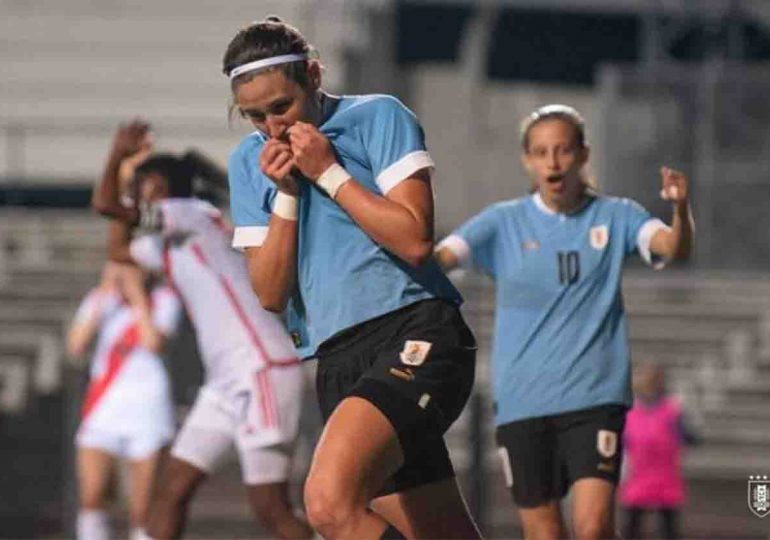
{"x": 244, "y": 237}
{"x": 403, "y": 169}
{"x": 644, "y": 238}
{"x": 457, "y": 245}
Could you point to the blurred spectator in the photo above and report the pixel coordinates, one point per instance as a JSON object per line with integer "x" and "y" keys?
{"x": 654, "y": 436}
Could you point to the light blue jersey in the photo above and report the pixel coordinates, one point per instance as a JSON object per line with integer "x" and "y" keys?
{"x": 560, "y": 341}
{"x": 344, "y": 277}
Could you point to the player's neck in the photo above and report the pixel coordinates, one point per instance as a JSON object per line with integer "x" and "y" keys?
{"x": 568, "y": 204}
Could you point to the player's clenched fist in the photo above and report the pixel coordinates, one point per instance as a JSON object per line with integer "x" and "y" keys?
{"x": 312, "y": 150}
{"x": 132, "y": 138}
{"x": 674, "y": 185}
{"x": 276, "y": 161}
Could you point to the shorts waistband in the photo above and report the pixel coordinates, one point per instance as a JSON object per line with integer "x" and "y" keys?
{"x": 352, "y": 335}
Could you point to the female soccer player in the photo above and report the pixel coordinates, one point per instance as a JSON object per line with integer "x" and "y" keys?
{"x": 560, "y": 357}
{"x": 332, "y": 202}
{"x": 252, "y": 393}
{"x": 128, "y": 411}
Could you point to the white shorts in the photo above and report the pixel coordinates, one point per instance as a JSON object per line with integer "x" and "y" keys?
{"x": 261, "y": 422}
{"x": 133, "y": 447}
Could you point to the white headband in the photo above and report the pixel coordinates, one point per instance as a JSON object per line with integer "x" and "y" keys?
{"x": 266, "y": 62}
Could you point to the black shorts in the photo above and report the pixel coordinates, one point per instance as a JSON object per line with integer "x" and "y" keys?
{"x": 416, "y": 365}
{"x": 542, "y": 457}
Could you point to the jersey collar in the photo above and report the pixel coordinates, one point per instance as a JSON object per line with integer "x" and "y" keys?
{"x": 544, "y": 208}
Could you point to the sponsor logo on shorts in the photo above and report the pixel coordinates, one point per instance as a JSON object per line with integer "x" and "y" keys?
{"x": 599, "y": 236}
{"x": 415, "y": 352}
{"x": 759, "y": 495}
{"x": 530, "y": 245}
{"x": 606, "y": 443}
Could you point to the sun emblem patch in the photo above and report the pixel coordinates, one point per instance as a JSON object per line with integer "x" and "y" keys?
{"x": 415, "y": 352}
{"x": 599, "y": 236}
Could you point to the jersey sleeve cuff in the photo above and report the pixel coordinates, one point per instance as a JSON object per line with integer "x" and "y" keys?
{"x": 643, "y": 240}
{"x": 457, "y": 245}
{"x": 244, "y": 237}
{"x": 403, "y": 169}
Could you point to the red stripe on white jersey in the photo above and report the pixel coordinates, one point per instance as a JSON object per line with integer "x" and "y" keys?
{"x": 116, "y": 359}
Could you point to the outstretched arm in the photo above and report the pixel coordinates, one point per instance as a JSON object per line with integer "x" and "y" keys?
{"x": 676, "y": 241}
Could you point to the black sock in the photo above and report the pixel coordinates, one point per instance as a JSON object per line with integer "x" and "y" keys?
{"x": 391, "y": 533}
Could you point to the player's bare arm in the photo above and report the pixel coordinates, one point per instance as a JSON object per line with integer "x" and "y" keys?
{"x": 138, "y": 298}
{"x": 401, "y": 221}
{"x": 273, "y": 265}
{"x": 130, "y": 146}
{"x": 675, "y": 242}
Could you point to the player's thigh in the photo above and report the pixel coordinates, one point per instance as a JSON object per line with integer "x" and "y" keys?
{"x": 434, "y": 510}
{"x": 530, "y": 464}
{"x": 357, "y": 452}
{"x": 95, "y": 469}
{"x": 593, "y": 508}
{"x": 543, "y": 522}
{"x": 142, "y": 478}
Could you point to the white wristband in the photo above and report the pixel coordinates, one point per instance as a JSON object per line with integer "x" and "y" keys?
{"x": 332, "y": 179}
{"x": 286, "y": 206}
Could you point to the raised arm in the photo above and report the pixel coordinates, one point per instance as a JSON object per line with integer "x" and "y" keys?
{"x": 130, "y": 146}
{"x": 82, "y": 333}
{"x": 675, "y": 242}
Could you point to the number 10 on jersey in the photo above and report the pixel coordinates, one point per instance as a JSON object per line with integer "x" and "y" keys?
{"x": 569, "y": 267}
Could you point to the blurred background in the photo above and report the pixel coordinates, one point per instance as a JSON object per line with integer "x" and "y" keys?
{"x": 678, "y": 82}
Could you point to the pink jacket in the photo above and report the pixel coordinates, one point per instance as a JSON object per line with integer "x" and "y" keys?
{"x": 653, "y": 444}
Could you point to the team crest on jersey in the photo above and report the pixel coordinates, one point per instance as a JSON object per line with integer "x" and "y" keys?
{"x": 606, "y": 443}
{"x": 759, "y": 495}
{"x": 415, "y": 352}
{"x": 599, "y": 236}
{"x": 530, "y": 245}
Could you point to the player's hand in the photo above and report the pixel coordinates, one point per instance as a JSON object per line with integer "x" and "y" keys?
{"x": 277, "y": 161}
{"x": 674, "y": 186}
{"x": 132, "y": 138}
{"x": 312, "y": 150}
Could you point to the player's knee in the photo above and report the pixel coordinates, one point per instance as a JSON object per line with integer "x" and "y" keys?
{"x": 543, "y": 529}
{"x": 328, "y": 507}
{"x": 593, "y": 527}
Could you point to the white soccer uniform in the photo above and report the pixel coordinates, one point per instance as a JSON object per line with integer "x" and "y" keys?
{"x": 253, "y": 389}
{"x": 128, "y": 407}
